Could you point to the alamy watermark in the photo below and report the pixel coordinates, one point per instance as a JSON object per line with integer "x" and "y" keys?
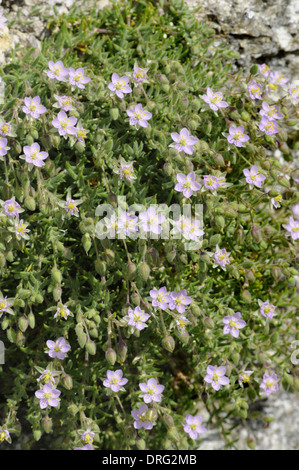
{"x": 2, "y": 91}
{"x": 2, "y": 353}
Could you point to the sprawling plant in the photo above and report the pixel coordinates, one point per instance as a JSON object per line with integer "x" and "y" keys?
{"x": 148, "y": 233}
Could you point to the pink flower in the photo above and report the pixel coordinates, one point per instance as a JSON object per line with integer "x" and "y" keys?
{"x": 271, "y": 112}
{"x": 160, "y": 298}
{"x": 4, "y": 304}
{"x": 187, "y": 184}
{"x": 294, "y": 92}
{"x": 2, "y": 19}
{"x": 221, "y": 257}
{"x": 58, "y": 348}
{"x": 293, "y": 228}
{"x": 139, "y": 75}
{"x": 48, "y": 396}
{"x": 71, "y": 206}
{"x": 184, "y": 141}
{"x": 127, "y": 223}
{"x": 214, "y": 100}
{"x": 277, "y": 79}
{"x": 5, "y": 128}
{"x": 3, "y": 147}
{"x": 12, "y": 208}
{"x": 57, "y": 70}
{"x": 193, "y": 426}
{"x": 244, "y": 377}
{"x": 211, "y": 182}
{"x": 179, "y": 301}
{"x": 21, "y": 230}
{"x": 151, "y": 221}
{"x": 270, "y": 384}
{"x": 295, "y": 210}
{"x": 65, "y": 124}
{"x": 254, "y": 177}
{"x": 269, "y": 126}
{"x": 34, "y": 156}
{"x": 114, "y": 380}
{"x": 267, "y": 310}
{"x": 33, "y": 107}
{"x": 254, "y": 90}
{"x": 81, "y": 134}
{"x": 77, "y": 78}
{"x": 216, "y": 377}
{"x": 65, "y": 102}
{"x": 120, "y": 85}
{"x": 152, "y": 391}
{"x": 237, "y": 136}
{"x": 143, "y": 419}
{"x": 137, "y": 318}
{"x": 233, "y": 324}
{"x": 48, "y": 376}
{"x": 138, "y": 116}
{"x": 264, "y": 70}
{"x": 127, "y": 171}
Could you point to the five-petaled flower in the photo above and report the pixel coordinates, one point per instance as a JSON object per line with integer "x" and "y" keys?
{"x": 48, "y": 396}
{"x": 179, "y": 300}
{"x": 277, "y": 79}
{"x": 47, "y": 376}
{"x": 271, "y": 112}
{"x": 160, "y": 298}
{"x": 214, "y": 100}
{"x": 21, "y": 230}
{"x": 62, "y": 312}
{"x": 275, "y": 201}
{"x": 12, "y": 208}
{"x": 215, "y": 377}
{"x": 5, "y": 128}
{"x": 58, "y": 348}
{"x": 254, "y": 90}
{"x": 71, "y": 206}
{"x": 33, "y": 107}
{"x": 244, "y": 377}
{"x": 34, "y": 155}
{"x": 127, "y": 171}
{"x": 293, "y": 228}
{"x": 254, "y": 177}
{"x": 269, "y": 126}
{"x": 4, "y": 434}
{"x": 65, "y": 102}
{"x": 150, "y": 221}
{"x": 120, "y": 85}
{"x": 77, "y": 78}
{"x": 127, "y": 224}
{"x": 152, "y": 391}
{"x": 138, "y": 116}
{"x": 137, "y": 318}
{"x": 236, "y": 136}
{"x": 221, "y": 257}
{"x": 4, "y": 304}
{"x": 267, "y": 310}
{"x": 115, "y": 380}
{"x": 2, "y": 19}
{"x": 57, "y": 71}
{"x": 193, "y": 426}
{"x": 142, "y": 417}
{"x": 187, "y": 184}
{"x": 232, "y": 324}
{"x": 270, "y": 383}
{"x": 87, "y": 437}
{"x": 3, "y": 147}
{"x": 211, "y": 182}
{"x": 139, "y": 75}
{"x": 65, "y": 124}
{"x": 184, "y": 141}
{"x": 264, "y": 70}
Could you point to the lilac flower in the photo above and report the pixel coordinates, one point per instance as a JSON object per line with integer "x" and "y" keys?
{"x": 21, "y": 230}
{"x": 4, "y": 434}
{"x": 47, "y": 376}
{"x": 77, "y": 78}
{"x": 181, "y": 322}
{"x": 211, "y": 182}
{"x": 12, "y": 208}
{"x": 254, "y": 177}
{"x": 137, "y": 318}
{"x": 65, "y": 124}
{"x": 270, "y": 384}
{"x": 183, "y": 226}
{"x": 232, "y": 324}
{"x": 127, "y": 171}
{"x": 57, "y": 70}
{"x": 65, "y": 102}
{"x": 184, "y": 141}
{"x": 2, "y": 19}
{"x": 127, "y": 223}
{"x": 244, "y": 377}
{"x": 193, "y": 426}
{"x": 138, "y": 116}
{"x": 62, "y": 312}
{"x": 81, "y": 133}
{"x": 264, "y": 70}
{"x": 214, "y": 100}
{"x": 87, "y": 437}
{"x": 48, "y": 396}
{"x": 58, "y": 348}
{"x": 3, "y": 147}
{"x": 5, "y": 129}
{"x": 139, "y": 74}
{"x": 179, "y": 300}
{"x": 160, "y": 298}
{"x": 142, "y": 418}
{"x": 275, "y": 201}
{"x": 216, "y": 377}
{"x": 294, "y": 92}
{"x": 237, "y": 136}
{"x": 254, "y": 90}
{"x": 267, "y": 310}
{"x": 268, "y": 126}
{"x": 271, "y": 112}
{"x": 187, "y": 184}
{"x": 295, "y": 210}
{"x": 86, "y": 447}
{"x": 221, "y": 257}
{"x": 152, "y": 391}
{"x": 34, "y": 156}
{"x": 293, "y": 228}
{"x": 71, "y": 206}
{"x": 277, "y": 79}
{"x": 115, "y": 380}
{"x": 194, "y": 231}
{"x": 33, "y": 107}
{"x": 151, "y": 221}
{"x": 120, "y": 85}
{"x": 4, "y": 305}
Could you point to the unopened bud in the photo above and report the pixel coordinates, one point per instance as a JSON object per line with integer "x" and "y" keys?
{"x": 110, "y": 356}
{"x": 47, "y": 424}
{"x": 91, "y": 347}
{"x": 168, "y": 343}
{"x": 143, "y": 271}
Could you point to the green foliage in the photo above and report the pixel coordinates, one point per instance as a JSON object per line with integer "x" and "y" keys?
{"x": 64, "y": 261}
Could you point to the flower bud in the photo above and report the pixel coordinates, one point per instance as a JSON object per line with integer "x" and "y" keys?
{"x": 170, "y": 256}
{"x": 20, "y": 339}
{"x": 135, "y": 298}
{"x": 254, "y": 69}
{"x": 109, "y": 255}
{"x": 220, "y": 222}
{"x": 47, "y": 424}
{"x": 73, "y": 409}
{"x": 67, "y": 381}
{"x": 173, "y": 434}
{"x": 37, "y": 434}
{"x": 29, "y": 139}
{"x": 168, "y": 420}
{"x": 112, "y": 199}
{"x": 246, "y": 296}
{"x": 23, "y": 324}
{"x": 208, "y": 323}
{"x": 91, "y": 347}
{"x": 57, "y": 292}
{"x": 31, "y": 320}
{"x": 110, "y": 356}
{"x": 29, "y": 203}
{"x": 245, "y": 116}
{"x": 256, "y": 234}
{"x": 168, "y": 343}
{"x": 100, "y": 267}
{"x": 121, "y": 349}
{"x": 251, "y": 443}
{"x": 140, "y": 444}
{"x": 143, "y": 272}
{"x": 56, "y": 275}
{"x": 183, "y": 336}
{"x": 114, "y": 113}
{"x": 86, "y": 242}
